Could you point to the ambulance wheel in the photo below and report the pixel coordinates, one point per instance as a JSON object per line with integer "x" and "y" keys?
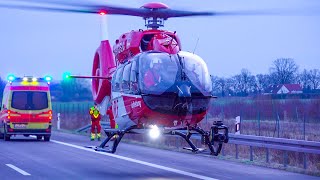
{"x": 6, "y": 137}
{"x": 39, "y": 138}
{"x": 46, "y": 138}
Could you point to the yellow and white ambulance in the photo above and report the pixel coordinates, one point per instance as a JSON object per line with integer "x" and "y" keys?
{"x": 26, "y": 108}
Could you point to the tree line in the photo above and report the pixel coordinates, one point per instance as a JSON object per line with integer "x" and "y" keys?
{"x": 282, "y": 71}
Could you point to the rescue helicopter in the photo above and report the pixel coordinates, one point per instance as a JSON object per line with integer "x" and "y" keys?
{"x": 146, "y": 80}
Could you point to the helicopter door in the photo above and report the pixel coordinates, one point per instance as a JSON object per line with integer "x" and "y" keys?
{"x": 116, "y": 91}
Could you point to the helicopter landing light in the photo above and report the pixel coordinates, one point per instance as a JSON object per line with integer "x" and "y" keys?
{"x": 154, "y": 132}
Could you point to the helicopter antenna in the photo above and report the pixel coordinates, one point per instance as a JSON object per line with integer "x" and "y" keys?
{"x": 195, "y": 47}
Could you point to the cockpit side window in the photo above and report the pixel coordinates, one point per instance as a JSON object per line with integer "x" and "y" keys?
{"x": 126, "y": 78}
{"x": 134, "y": 88}
{"x": 117, "y": 79}
{"x": 197, "y": 72}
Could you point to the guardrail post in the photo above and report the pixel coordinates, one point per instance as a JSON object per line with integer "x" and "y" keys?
{"x": 267, "y": 155}
{"x": 223, "y": 152}
{"x": 304, "y": 160}
{"x": 285, "y": 158}
{"x": 304, "y": 127}
{"x": 259, "y": 123}
{"x": 237, "y": 155}
{"x": 251, "y": 154}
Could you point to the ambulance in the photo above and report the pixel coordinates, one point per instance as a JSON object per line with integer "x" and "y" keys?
{"x": 26, "y": 108}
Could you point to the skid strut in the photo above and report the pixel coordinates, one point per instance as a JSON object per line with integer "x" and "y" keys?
{"x": 212, "y": 138}
{"x": 116, "y": 136}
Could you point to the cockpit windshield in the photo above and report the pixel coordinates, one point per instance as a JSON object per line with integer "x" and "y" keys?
{"x": 196, "y": 70}
{"x": 157, "y": 71}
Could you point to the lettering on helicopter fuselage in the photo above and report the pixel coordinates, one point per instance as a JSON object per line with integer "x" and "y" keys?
{"x": 135, "y": 104}
{"x": 119, "y": 48}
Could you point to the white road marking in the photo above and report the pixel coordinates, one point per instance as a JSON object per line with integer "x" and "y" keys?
{"x": 18, "y": 169}
{"x": 138, "y": 161}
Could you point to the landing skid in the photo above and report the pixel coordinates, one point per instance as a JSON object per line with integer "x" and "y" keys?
{"x": 213, "y": 139}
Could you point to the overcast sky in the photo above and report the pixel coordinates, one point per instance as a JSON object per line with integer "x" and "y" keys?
{"x": 40, "y": 43}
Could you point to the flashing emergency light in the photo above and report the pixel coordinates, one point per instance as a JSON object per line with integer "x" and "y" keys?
{"x": 66, "y": 75}
{"x": 102, "y": 12}
{"x": 48, "y": 78}
{"x": 11, "y": 77}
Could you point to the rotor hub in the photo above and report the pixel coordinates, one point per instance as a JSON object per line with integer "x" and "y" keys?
{"x": 155, "y": 5}
{"x": 153, "y": 21}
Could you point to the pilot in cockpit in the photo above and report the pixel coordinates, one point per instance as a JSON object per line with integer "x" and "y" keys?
{"x": 152, "y": 75}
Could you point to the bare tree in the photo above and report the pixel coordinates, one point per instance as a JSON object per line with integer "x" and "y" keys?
{"x": 263, "y": 82}
{"x": 244, "y": 83}
{"x": 314, "y": 77}
{"x": 2, "y": 85}
{"x": 219, "y": 85}
{"x": 284, "y": 71}
{"x": 304, "y": 79}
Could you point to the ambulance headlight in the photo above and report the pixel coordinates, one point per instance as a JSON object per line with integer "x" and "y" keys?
{"x": 25, "y": 79}
{"x": 34, "y": 79}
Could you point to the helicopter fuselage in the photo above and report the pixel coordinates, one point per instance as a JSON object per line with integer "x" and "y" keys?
{"x": 178, "y": 95}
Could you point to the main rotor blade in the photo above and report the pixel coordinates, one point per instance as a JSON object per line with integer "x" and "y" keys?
{"x": 78, "y": 7}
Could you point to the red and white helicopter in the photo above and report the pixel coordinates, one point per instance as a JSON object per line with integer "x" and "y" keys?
{"x": 146, "y": 81}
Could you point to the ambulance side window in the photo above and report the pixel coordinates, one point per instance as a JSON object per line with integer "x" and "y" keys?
{"x": 4, "y": 100}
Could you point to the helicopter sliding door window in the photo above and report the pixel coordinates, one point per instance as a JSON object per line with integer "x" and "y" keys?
{"x": 125, "y": 84}
{"x": 117, "y": 79}
{"x": 134, "y": 89}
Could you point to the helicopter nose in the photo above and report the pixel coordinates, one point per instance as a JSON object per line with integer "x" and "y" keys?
{"x": 184, "y": 90}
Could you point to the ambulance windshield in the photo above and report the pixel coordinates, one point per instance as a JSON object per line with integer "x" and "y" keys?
{"x": 29, "y": 100}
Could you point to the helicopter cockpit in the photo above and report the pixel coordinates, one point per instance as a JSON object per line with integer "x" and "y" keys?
{"x": 166, "y": 80}
{"x": 174, "y": 83}
{"x": 162, "y": 72}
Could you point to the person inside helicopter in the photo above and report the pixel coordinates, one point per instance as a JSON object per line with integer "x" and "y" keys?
{"x": 152, "y": 76}
{"x": 145, "y": 41}
{"x": 157, "y": 71}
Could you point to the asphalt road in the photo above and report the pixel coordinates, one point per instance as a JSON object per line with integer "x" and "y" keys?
{"x": 65, "y": 157}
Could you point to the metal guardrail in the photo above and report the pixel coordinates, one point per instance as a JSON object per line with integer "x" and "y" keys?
{"x": 306, "y": 147}
{"x": 311, "y": 147}
{"x": 87, "y": 127}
